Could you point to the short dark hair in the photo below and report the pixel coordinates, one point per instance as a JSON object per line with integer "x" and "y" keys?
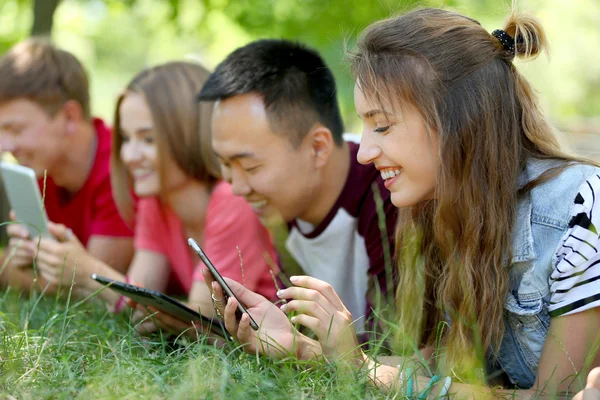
{"x": 297, "y": 87}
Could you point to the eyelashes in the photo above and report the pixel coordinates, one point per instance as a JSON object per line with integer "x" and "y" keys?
{"x": 382, "y": 129}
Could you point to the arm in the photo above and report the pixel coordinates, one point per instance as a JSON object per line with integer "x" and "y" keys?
{"x": 114, "y": 251}
{"x": 150, "y": 269}
{"x": 569, "y": 342}
{"x": 562, "y": 367}
{"x": 199, "y": 299}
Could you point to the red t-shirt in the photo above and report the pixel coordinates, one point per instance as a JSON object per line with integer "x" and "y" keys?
{"x": 92, "y": 210}
{"x": 230, "y": 224}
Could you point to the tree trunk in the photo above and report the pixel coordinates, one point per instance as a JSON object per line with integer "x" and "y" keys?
{"x": 4, "y": 210}
{"x": 43, "y": 15}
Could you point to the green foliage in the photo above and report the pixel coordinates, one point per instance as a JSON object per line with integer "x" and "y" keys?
{"x": 116, "y": 38}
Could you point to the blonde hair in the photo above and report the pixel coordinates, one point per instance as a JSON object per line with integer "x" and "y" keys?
{"x": 36, "y": 70}
{"x": 181, "y": 126}
{"x": 452, "y": 251}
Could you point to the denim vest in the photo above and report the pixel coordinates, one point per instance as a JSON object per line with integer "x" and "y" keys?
{"x": 542, "y": 218}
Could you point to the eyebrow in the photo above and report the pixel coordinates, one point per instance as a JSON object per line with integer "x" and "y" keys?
{"x": 144, "y": 129}
{"x": 236, "y": 156}
{"x": 372, "y": 113}
{"x": 10, "y": 124}
{"x": 139, "y": 131}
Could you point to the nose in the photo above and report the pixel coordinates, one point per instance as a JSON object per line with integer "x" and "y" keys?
{"x": 239, "y": 184}
{"x": 7, "y": 144}
{"x": 368, "y": 150}
{"x": 130, "y": 152}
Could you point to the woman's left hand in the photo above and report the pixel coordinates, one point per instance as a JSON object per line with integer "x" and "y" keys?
{"x": 62, "y": 259}
{"x": 320, "y": 309}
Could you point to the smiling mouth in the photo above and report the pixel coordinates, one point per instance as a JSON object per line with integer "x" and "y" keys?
{"x": 389, "y": 173}
{"x": 141, "y": 174}
{"x": 258, "y": 205}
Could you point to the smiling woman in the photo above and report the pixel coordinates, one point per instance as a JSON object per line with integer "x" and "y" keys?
{"x": 497, "y": 240}
{"x": 162, "y": 152}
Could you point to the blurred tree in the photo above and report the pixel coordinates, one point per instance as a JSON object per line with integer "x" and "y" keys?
{"x": 43, "y": 17}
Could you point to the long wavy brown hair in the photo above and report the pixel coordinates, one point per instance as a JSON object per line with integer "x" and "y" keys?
{"x": 453, "y": 252}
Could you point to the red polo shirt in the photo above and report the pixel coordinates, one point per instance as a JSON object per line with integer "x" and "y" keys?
{"x": 92, "y": 210}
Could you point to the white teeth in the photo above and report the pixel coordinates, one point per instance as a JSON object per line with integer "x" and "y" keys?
{"x": 140, "y": 172}
{"x": 258, "y": 204}
{"x": 390, "y": 173}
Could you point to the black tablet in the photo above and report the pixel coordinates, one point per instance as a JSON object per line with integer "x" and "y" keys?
{"x": 162, "y": 302}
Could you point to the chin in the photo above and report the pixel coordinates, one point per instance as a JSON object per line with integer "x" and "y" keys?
{"x": 145, "y": 191}
{"x": 402, "y": 201}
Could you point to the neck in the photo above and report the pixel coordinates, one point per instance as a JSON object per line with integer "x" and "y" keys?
{"x": 331, "y": 187}
{"x": 73, "y": 170}
{"x": 190, "y": 202}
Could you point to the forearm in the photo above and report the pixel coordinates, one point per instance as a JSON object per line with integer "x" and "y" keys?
{"x": 199, "y": 299}
{"x": 387, "y": 378}
{"x": 88, "y": 286}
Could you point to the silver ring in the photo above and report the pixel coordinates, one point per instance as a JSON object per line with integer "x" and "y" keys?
{"x": 217, "y": 301}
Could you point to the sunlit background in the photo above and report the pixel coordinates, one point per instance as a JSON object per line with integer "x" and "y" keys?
{"x": 116, "y": 39}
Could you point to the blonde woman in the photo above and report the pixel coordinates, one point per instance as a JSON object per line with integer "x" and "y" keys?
{"x": 161, "y": 152}
{"x": 497, "y": 241}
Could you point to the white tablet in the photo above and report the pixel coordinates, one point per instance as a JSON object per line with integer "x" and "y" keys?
{"x": 23, "y": 192}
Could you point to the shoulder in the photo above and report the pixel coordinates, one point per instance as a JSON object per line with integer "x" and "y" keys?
{"x": 149, "y": 209}
{"x": 227, "y": 207}
{"x": 554, "y": 199}
{"x": 222, "y": 197}
{"x": 100, "y": 174}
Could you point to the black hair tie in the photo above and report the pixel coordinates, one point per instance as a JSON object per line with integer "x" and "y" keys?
{"x": 507, "y": 41}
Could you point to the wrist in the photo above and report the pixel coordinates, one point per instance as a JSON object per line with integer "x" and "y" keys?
{"x": 307, "y": 349}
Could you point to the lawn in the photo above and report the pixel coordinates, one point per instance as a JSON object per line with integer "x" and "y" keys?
{"x": 54, "y": 347}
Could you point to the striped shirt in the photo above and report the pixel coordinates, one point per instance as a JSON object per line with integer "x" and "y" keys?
{"x": 575, "y": 281}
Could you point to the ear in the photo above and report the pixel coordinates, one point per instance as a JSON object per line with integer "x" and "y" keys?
{"x": 322, "y": 144}
{"x": 73, "y": 113}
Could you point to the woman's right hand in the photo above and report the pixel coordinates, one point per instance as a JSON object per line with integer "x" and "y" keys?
{"x": 276, "y": 336}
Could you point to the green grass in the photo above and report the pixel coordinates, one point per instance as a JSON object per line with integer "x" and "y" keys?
{"x": 53, "y": 348}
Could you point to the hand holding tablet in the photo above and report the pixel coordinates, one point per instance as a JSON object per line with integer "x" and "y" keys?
{"x": 25, "y": 199}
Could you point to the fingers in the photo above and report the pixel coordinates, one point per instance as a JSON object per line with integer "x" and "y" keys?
{"x": 218, "y": 299}
{"x": 60, "y": 232}
{"x": 246, "y": 296}
{"x": 314, "y": 324}
{"x": 18, "y": 231}
{"x": 12, "y": 215}
{"x": 306, "y": 307}
{"x": 147, "y": 327}
{"x": 314, "y": 297}
{"x": 324, "y": 288}
{"x": 245, "y": 334}
{"x": 230, "y": 317}
{"x": 18, "y": 253}
{"x": 45, "y": 245}
{"x": 208, "y": 278}
{"x": 593, "y": 379}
